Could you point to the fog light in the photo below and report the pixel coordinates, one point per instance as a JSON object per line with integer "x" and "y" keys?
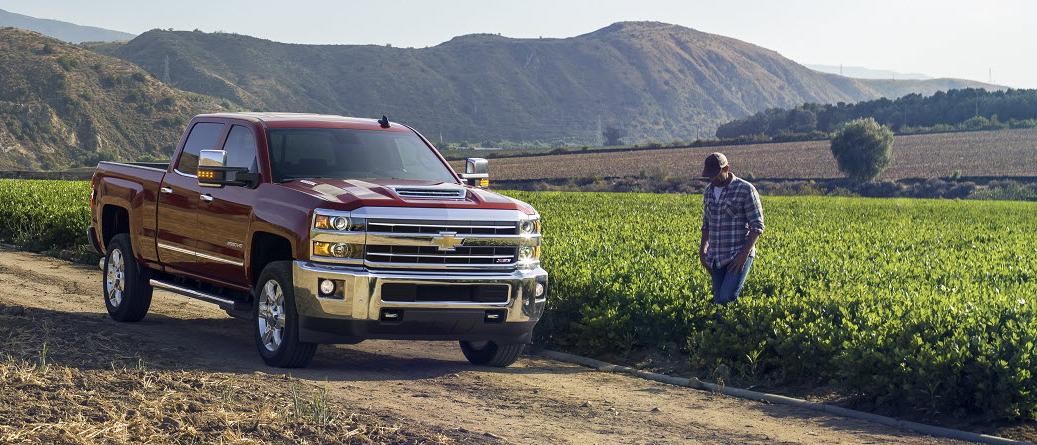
{"x": 539, "y": 290}
{"x": 327, "y": 287}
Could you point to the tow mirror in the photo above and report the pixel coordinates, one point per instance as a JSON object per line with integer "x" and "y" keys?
{"x": 213, "y": 172}
{"x": 477, "y": 172}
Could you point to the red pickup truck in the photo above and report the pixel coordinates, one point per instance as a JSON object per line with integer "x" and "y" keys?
{"x": 322, "y": 229}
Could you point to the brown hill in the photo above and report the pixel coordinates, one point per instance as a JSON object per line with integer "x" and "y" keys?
{"x": 657, "y": 81}
{"x": 69, "y": 32}
{"x": 62, "y": 105}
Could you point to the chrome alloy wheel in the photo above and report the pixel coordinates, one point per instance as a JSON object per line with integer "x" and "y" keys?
{"x": 115, "y": 277}
{"x": 271, "y": 315}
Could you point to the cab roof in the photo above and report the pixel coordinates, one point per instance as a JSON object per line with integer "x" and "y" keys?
{"x": 306, "y": 120}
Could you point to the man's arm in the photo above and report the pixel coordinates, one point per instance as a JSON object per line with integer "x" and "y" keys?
{"x": 753, "y": 209}
{"x": 704, "y": 239}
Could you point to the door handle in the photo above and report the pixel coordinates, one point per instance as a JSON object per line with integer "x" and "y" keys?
{"x": 206, "y": 197}
{"x": 166, "y": 190}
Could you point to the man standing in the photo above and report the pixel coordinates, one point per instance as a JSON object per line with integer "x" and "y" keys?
{"x": 732, "y": 221}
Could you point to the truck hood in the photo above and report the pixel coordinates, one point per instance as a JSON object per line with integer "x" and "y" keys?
{"x": 350, "y": 194}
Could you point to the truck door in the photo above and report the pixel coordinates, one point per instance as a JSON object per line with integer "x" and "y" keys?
{"x": 224, "y": 215}
{"x": 179, "y": 200}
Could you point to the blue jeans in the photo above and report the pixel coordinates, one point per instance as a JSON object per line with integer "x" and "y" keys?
{"x": 728, "y": 285}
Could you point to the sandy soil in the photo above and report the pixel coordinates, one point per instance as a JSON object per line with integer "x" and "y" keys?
{"x": 535, "y": 401}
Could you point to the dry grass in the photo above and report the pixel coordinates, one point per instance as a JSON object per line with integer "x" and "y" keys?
{"x": 983, "y": 153}
{"x": 69, "y": 380}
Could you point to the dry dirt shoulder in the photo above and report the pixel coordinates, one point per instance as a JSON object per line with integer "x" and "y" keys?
{"x": 426, "y": 388}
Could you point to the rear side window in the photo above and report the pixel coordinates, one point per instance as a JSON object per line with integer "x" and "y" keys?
{"x": 241, "y": 148}
{"x": 204, "y": 136}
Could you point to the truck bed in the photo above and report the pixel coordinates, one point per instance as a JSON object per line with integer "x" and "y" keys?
{"x": 133, "y": 187}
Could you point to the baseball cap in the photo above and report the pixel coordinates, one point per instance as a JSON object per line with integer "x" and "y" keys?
{"x": 714, "y": 163}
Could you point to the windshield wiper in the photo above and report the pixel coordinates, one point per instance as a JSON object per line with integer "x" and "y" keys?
{"x": 296, "y": 178}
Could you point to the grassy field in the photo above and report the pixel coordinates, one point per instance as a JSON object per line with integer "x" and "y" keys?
{"x": 913, "y": 307}
{"x": 983, "y": 153}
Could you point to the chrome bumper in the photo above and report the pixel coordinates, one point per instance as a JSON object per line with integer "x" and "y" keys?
{"x": 359, "y": 300}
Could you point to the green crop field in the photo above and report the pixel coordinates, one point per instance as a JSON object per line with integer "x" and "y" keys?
{"x": 50, "y": 216}
{"x": 908, "y": 306}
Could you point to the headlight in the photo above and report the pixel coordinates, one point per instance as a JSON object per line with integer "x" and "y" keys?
{"x": 325, "y": 222}
{"x": 528, "y": 254}
{"x": 337, "y": 250}
{"x": 529, "y": 227}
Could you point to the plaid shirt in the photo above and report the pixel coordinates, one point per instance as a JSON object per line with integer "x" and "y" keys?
{"x": 728, "y": 220}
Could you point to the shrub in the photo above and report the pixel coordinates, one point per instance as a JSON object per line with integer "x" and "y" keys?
{"x": 862, "y": 149}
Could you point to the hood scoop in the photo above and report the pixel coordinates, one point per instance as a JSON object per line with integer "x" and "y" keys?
{"x": 450, "y": 192}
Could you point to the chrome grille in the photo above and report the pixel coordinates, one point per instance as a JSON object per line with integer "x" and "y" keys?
{"x": 432, "y": 255}
{"x": 484, "y": 255}
{"x": 459, "y": 227}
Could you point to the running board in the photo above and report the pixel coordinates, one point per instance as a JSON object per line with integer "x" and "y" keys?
{"x": 224, "y": 303}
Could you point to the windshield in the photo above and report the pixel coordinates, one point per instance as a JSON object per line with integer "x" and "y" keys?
{"x": 297, "y": 153}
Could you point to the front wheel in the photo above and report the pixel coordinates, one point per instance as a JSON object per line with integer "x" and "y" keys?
{"x": 127, "y": 292}
{"x": 491, "y": 354}
{"x": 276, "y": 320}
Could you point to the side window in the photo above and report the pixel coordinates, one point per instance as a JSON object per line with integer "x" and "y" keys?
{"x": 204, "y": 136}
{"x": 241, "y": 148}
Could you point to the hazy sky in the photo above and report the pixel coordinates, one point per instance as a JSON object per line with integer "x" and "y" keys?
{"x": 940, "y": 38}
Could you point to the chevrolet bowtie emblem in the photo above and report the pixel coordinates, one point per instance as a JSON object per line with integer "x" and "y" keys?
{"x": 447, "y": 241}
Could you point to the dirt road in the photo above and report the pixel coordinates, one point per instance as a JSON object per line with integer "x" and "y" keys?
{"x": 535, "y": 401}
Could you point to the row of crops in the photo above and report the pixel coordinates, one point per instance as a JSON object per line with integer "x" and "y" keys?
{"x": 48, "y": 216}
{"x": 909, "y": 306}
{"x": 912, "y": 306}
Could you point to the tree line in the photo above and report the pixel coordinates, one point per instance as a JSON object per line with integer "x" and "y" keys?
{"x": 955, "y": 110}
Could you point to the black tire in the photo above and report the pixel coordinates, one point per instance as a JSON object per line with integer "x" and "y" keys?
{"x": 490, "y": 353}
{"x": 289, "y": 352}
{"x": 131, "y": 302}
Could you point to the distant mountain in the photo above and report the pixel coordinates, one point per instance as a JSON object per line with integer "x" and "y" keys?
{"x": 860, "y": 72}
{"x": 62, "y": 106}
{"x": 68, "y": 32}
{"x": 657, "y": 81}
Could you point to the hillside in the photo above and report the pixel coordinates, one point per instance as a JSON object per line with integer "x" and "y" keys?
{"x": 61, "y": 105}
{"x": 69, "y": 32}
{"x": 967, "y": 109}
{"x": 657, "y": 81}
{"x": 861, "y": 72}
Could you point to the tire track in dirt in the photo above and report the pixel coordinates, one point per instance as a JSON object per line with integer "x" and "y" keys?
{"x": 535, "y": 401}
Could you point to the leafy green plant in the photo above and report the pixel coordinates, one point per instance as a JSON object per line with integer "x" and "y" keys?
{"x": 906, "y": 304}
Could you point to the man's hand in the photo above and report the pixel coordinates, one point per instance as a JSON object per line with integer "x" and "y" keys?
{"x": 702, "y": 259}
{"x": 736, "y": 265}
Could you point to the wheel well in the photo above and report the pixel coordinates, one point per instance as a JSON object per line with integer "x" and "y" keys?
{"x": 267, "y": 248}
{"x": 114, "y": 220}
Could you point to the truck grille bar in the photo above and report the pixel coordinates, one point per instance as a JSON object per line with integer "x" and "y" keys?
{"x": 459, "y": 227}
{"x": 430, "y": 255}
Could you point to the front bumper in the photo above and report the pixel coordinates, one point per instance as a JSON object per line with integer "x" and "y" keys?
{"x": 357, "y": 311}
